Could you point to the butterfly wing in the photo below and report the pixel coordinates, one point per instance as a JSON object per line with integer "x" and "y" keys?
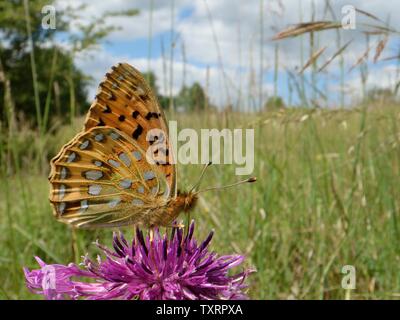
{"x": 102, "y": 179}
{"x": 125, "y": 101}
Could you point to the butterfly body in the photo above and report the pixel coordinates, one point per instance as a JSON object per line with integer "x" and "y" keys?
{"x": 183, "y": 202}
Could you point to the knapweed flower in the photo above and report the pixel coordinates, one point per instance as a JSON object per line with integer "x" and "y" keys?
{"x": 174, "y": 268}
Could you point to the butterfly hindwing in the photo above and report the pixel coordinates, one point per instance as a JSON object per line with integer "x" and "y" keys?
{"x": 102, "y": 178}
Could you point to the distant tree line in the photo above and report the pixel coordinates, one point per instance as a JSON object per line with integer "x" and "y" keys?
{"x": 189, "y": 98}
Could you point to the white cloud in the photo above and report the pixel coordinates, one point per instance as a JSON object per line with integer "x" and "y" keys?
{"x": 237, "y": 36}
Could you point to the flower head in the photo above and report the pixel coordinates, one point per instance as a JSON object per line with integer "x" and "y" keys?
{"x": 161, "y": 268}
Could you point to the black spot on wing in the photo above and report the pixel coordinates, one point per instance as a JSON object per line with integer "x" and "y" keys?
{"x": 101, "y": 123}
{"x": 150, "y": 115}
{"x": 107, "y": 109}
{"x": 112, "y": 97}
{"x": 135, "y": 114}
{"x": 138, "y": 131}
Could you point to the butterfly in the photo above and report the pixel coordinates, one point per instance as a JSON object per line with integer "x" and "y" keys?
{"x": 103, "y": 176}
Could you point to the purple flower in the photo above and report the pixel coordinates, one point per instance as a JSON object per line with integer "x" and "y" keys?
{"x": 170, "y": 269}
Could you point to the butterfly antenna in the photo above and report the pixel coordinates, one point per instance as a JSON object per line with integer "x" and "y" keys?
{"x": 197, "y": 184}
{"x": 249, "y": 180}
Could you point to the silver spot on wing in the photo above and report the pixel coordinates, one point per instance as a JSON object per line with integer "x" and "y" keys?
{"x": 99, "y": 137}
{"x": 84, "y": 206}
{"x": 98, "y": 163}
{"x": 61, "y": 191}
{"x": 93, "y": 175}
{"x": 148, "y": 175}
{"x": 125, "y": 159}
{"x": 114, "y": 163}
{"x": 63, "y": 173}
{"x": 61, "y": 207}
{"x": 114, "y": 135}
{"x": 94, "y": 189}
{"x": 71, "y": 157}
{"x": 114, "y": 202}
{"x": 125, "y": 183}
{"x": 137, "y": 202}
{"x": 137, "y": 155}
{"x": 84, "y": 144}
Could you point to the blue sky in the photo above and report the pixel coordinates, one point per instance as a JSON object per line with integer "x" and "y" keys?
{"x": 222, "y": 44}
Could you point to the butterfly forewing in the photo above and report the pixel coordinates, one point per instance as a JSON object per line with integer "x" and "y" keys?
{"x": 124, "y": 101}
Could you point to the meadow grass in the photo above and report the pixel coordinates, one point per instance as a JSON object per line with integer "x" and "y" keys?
{"x": 327, "y": 195}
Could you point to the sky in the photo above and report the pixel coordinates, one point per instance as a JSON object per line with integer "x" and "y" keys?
{"x": 227, "y": 46}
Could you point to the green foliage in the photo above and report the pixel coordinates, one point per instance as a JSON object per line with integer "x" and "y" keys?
{"x": 274, "y": 103}
{"x": 18, "y": 71}
{"x": 192, "y": 98}
{"x": 39, "y": 90}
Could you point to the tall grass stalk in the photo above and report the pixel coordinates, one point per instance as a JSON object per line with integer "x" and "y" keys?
{"x": 276, "y": 71}
{"x": 219, "y": 56}
{"x": 49, "y": 90}
{"x": 261, "y": 44}
{"x": 171, "y": 62}
{"x": 302, "y": 91}
{"x": 239, "y": 105}
{"x": 150, "y": 37}
{"x": 33, "y": 65}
